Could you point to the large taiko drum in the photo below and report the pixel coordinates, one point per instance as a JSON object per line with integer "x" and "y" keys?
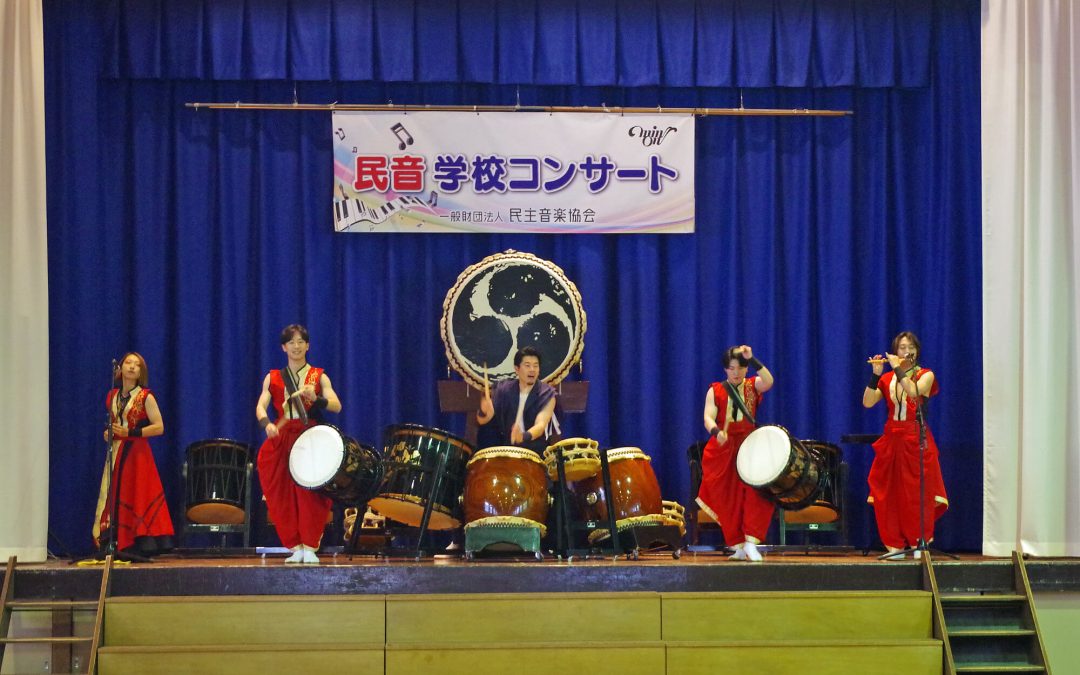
{"x": 780, "y": 466}
{"x": 505, "y": 302}
{"x": 635, "y": 490}
{"x": 410, "y": 459}
{"x": 216, "y": 481}
{"x": 326, "y": 461}
{"x": 505, "y": 486}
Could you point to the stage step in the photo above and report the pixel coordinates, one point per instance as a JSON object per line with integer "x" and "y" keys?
{"x": 994, "y": 631}
{"x": 242, "y": 659}
{"x": 244, "y": 620}
{"x": 798, "y": 657}
{"x": 485, "y": 658}
{"x": 853, "y": 615}
{"x": 523, "y": 617}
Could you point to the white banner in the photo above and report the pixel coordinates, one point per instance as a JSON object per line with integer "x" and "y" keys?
{"x": 524, "y": 172}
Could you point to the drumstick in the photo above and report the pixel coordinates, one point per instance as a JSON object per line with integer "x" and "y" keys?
{"x": 487, "y": 387}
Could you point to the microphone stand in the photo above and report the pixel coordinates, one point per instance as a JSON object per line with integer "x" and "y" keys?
{"x": 921, "y": 545}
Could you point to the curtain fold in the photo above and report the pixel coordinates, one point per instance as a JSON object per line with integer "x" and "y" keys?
{"x": 1031, "y": 295}
{"x": 632, "y": 43}
{"x": 24, "y": 290}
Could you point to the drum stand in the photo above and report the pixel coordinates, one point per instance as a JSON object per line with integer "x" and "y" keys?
{"x": 922, "y": 544}
{"x": 629, "y": 540}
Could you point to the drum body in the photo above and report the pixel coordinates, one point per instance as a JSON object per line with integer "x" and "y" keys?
{"x": 411, "y": 455}
{"x": 328, "y": 462}
{"x": 216, "y": 481}
{"x": 505, "y": 486}
{"x": 581, "y": 458}
{"x": 780, "y": 466}
{"x": 636, "y": 492}
{"x": 825, "y": 505}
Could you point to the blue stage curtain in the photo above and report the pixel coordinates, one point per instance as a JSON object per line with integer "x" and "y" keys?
{"x": 195, "y": 236}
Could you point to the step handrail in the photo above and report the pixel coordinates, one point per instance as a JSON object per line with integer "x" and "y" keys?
{"x": 941, "y": 631}
{"x": 99, "y": 620}
{"x": 1023, "y": 587}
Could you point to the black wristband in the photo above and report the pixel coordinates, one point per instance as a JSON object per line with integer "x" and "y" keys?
{"x": 874, "y": 378}
{"x": 526, "y": 437}
{"x": 753, "y": 361}
{"x": 320, "y": 403}
{"x": 716, "y": 432}
{"x": 900, "y": 374}
{"x": 135, "y": 433}
{"x": 264, "y": 422}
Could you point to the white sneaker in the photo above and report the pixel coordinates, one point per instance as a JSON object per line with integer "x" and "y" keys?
{"x": 752, "y": 554}
{"x": 296, "y": 558}
{"x": 739, "y": 554}
{"x": 890, "y": 549}
{"x": 309, "y": 557}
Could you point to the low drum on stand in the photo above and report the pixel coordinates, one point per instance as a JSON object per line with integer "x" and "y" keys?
{"x": 780, "y": 466}
{"x": 411, "y": 455}
{"x": 825, "y": 506}
{"x": 635, "y": 491}
{"x": 506, "y": 487}
{"x": 326, "y": 461}
{"x": 216, "y": 474}
{"x": 581, "y": 458}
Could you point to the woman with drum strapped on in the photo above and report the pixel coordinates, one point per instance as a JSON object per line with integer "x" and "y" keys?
{"x": 143, "y": 524}
{"x": 743, "y": 514}
{"x": 894, "y": 475}
{"x": 300, "y": 393}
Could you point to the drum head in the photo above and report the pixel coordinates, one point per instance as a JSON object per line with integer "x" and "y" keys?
{"x": 508, "y": 301}
{"x": 763, "y": 455}
{"x": 316, "y": 456}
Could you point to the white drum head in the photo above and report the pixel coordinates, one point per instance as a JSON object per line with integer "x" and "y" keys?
{"x": 763, "y": 456}
{"x": 316, "y": 456}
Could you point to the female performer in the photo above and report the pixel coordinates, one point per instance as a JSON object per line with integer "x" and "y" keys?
{"x": 743, "y": 514}
{"x": 143, "y": 525}
{"x": 894, "y": 475}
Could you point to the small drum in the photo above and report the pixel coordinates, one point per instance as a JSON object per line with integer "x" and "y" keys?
{"x": 633, "y": 482}
{"x": 326, "y": 461}
{"x": 675, "y": 514}
{"x": 581, "y": 458}
{"x": 825, "y": 507}
{"x": 780, "y": 466}
{"x": 216, "y": 481}
{"x": 410, "y": 457}
{"x": 505, "y": 486}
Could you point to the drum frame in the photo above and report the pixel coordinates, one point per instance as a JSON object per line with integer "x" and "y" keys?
{"x": 244, "y": 529}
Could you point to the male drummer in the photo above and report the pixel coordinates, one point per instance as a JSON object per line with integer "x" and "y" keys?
{"x": 523, "y": 408}
{"x": 730, "y": 409}
{"x": 300, "y": 394}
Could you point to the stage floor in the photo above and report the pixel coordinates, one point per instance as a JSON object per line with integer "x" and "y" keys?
{"x": 203, "y": 574}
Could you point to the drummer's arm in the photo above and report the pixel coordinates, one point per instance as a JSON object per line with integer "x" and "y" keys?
{"x": 711, "y": 412}
{"x": 153, "y": 414}
{"x": 333, "y": 404}
{"x": 486, "y": 412}
{"x": 260, "y": 410}
{"x": 764, "y": 381}
{"x": 543, "y": 418}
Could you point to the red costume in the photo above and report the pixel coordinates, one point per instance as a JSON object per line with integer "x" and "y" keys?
{"x": 894, "y": 475}
{"x": 299, "y": 515}
{"x": 142, "y": 516}
{"x": 738, "y": 508}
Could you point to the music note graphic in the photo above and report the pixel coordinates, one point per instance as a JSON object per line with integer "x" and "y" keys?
{"x": 340, "y": 133}
{"x": 433, "y": 200}
{"x": 402, "y": 134}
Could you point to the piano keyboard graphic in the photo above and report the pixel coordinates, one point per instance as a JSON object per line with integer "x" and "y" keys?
{"x": 349, "y": 212}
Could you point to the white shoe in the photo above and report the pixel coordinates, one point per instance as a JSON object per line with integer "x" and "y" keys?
{"x": 739, "y": 554}
{"x": 309, "y": 557}
{"x": 296, "y": 558}
{"x": 891, "y": 550}
{"x": 752, "y": 554}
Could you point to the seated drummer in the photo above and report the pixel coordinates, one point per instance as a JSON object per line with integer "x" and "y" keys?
{"x": 300, "y": 394}
{"x": 523, "y": 408}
